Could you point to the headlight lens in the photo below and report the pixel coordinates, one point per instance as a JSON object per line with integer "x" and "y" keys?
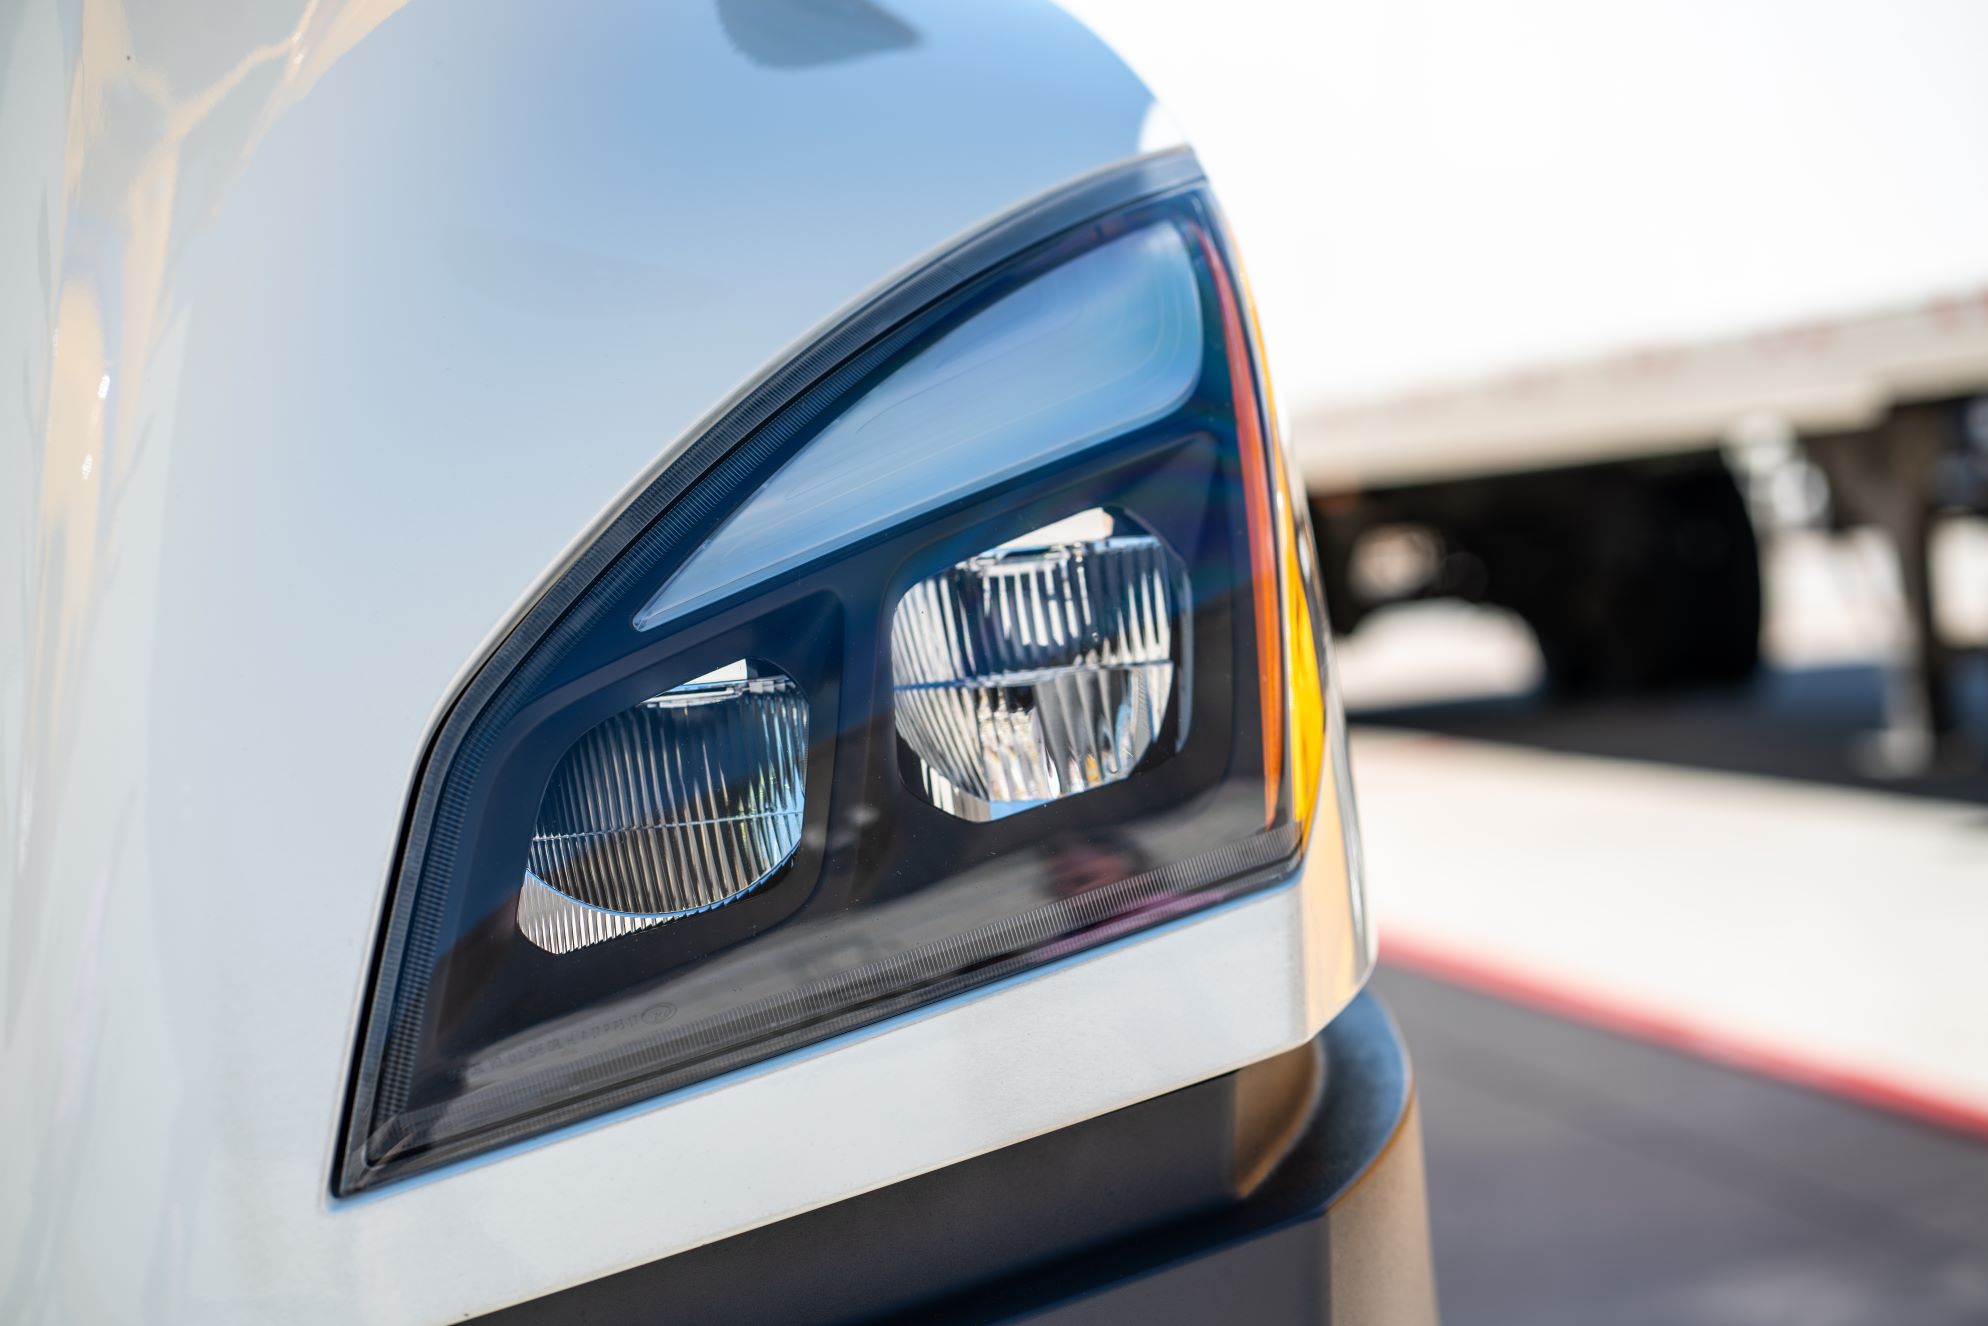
{"x": 675, "y": 806}
{"x": 950, "y": 654}
{"x": 1036, "y": 670}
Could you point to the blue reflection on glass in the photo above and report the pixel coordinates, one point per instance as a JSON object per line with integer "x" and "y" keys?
{"x": 1103, "y": 344}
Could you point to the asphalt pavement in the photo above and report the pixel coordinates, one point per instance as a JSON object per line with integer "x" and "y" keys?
{"x": 1578, "y": 1178}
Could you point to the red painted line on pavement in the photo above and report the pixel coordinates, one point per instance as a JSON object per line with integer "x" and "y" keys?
{"x": 1626, "y": 1018}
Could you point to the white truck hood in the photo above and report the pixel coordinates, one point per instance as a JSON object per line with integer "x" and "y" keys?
{"x": 328, "y": 331}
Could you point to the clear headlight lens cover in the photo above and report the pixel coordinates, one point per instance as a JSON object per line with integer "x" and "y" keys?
{"x": 960, "y": 646}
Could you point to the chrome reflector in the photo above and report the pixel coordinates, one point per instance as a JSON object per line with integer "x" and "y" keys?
{"x": 678, "y": 805}
{"x": 1038, "y": 669}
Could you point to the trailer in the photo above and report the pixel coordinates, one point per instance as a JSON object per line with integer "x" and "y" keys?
{"x": 1605, "y": 500}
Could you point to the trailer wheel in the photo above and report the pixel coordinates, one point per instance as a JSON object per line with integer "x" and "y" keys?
{"x": 1659, "y": 588}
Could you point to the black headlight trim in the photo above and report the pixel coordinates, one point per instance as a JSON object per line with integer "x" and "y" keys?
{"x": 683, "y": 499}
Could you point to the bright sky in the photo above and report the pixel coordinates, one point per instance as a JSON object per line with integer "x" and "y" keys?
{"x": 1427, "y": 189}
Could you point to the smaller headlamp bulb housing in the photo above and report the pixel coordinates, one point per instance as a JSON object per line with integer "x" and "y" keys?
{"x": 1038, "y": 669}
{"x": 682, "y": 803}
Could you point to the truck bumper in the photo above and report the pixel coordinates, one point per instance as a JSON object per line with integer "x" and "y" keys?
{"x": 1339, "y": 1233}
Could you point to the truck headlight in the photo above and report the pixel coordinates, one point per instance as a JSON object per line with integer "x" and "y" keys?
{"x": 962, "y": 645}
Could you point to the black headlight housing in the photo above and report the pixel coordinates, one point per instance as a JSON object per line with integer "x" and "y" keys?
{"x": 477, "y": 1036}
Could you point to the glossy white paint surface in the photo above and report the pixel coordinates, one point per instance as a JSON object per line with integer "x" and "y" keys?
{"x": 326, "y": 331}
